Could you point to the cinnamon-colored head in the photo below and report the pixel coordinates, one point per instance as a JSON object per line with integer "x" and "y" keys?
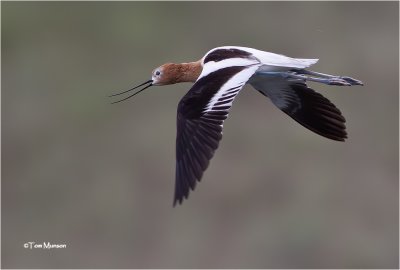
{"x": 171, "y": 73}
{"x": 168, "y": 74}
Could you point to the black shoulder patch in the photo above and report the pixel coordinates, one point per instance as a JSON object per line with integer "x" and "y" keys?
{"x": 222, "y": 54}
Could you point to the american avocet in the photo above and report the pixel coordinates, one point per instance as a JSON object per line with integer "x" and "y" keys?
{"x": 218, "y": 77}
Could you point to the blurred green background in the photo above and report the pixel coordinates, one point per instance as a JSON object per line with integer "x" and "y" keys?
{"x": 100, "y": 178}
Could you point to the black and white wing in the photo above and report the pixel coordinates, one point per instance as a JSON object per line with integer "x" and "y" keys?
{"x": 200, "y": 118}
{"x": 303, "y": 104}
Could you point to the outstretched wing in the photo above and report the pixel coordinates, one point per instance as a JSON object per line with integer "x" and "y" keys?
{"x": 303, "y": 104}
{"x": 201, "y": 114}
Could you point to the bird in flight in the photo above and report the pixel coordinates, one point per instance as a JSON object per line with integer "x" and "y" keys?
{"x": 218, "y": 77}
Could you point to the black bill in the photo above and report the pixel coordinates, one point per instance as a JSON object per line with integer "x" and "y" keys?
{"x": 149, "y": 83}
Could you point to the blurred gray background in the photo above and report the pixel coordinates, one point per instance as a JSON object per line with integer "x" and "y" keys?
{"x": 100, "y": 178}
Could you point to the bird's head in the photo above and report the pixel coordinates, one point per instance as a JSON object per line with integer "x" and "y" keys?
{"x": 171, "y": 73}
{"x": 165, "y": 74}
{"x": 168, "y": 73}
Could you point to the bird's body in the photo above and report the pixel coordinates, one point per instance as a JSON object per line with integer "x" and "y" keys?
{"x": 218, "y": 77}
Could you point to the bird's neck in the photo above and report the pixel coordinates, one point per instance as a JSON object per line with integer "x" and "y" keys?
{"x": 189, "y": 72}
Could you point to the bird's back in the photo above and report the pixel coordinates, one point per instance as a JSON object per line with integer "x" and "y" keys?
{"x": 273, "y": 61}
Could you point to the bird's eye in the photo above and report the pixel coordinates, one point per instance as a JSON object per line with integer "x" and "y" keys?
{"x": 157, "y": 73}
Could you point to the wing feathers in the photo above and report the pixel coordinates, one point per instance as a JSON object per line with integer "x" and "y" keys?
{"x": 201, "y": 114}
{"x": 318, "y": 114}
{"x": 304, "y": 105}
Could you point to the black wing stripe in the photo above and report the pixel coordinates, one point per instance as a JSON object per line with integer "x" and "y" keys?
{"x": 227, "y": 97}
{"x": 220, "y": 108}
{"x": 231, "y": 93}
{"x": 222, "y": 54}
{"x": 224, "y": 102}
{"x": 215, "y": 113}
{"x": 234, "y": 91}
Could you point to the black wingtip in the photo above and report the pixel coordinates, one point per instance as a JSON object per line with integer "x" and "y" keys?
{"x": 176, "y": 202}
{"x": 317, "y": 113}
